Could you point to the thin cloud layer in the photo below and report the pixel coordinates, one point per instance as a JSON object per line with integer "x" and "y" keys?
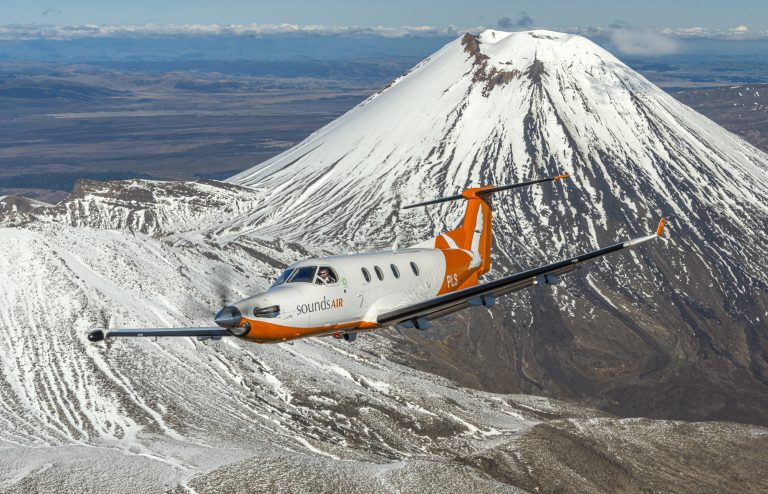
{"x": 643, "y": 42}
{"x": 625, "y": 37}
{"x": 740, "y": 32}
{"x": 27, "y": 31}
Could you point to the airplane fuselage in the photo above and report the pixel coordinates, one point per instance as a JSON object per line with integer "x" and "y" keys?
{"x": 357, "y": 288}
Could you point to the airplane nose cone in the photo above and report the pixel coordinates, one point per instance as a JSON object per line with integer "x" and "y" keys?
{"x": 228, "y": 317}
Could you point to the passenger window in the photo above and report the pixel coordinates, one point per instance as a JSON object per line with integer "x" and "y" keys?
{"x": 395, "y": 271}
{"x": 415, "y": 268}
{"x": 303, "y": 275}
{"x": 366, "y": 275}
{"x": 379, "y": 273}
{"x": 326, "y": 276}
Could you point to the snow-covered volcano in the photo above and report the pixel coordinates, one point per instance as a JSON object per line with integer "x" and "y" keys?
{"x": 505, "y": 107}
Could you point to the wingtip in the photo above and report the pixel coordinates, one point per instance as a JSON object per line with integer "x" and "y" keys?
{"x": 96, "y": 335}
{"x": 563, "y": 176}
{"x": 660, "y": 229}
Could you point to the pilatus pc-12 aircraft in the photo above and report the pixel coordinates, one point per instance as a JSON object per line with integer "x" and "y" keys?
{"x": 346, "y": 295}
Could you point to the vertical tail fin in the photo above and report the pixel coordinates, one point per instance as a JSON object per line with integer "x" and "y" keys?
{"x": 475, "y": 232}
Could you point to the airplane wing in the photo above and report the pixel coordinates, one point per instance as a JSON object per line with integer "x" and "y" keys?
{"x": 485, "y": 294}
{"x": 202, "y": 333}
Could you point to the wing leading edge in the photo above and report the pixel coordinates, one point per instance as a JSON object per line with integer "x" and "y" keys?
{"x": 100, "y": 334}
{"x": 485, "y": 293}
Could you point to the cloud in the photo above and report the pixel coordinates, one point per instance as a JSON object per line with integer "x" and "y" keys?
{"x": 643, "y": 41}
{"x": 521, "y": 21}
{"x": 624, "y": 37}
{"x": 739, "y": 30}
{"x": 34, "y": 31}
{"x": 633, "y": 39}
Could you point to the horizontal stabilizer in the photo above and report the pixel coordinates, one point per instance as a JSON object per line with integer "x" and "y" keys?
{"x": 490, "y": 190}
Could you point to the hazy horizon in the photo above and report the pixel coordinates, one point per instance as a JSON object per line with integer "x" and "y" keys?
{"x": 344, "y": 46}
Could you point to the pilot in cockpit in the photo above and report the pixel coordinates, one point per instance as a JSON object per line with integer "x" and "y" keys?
{"x": 325, "y": 276}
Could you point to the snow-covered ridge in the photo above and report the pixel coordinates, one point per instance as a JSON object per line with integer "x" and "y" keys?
{"x": 140, "y": 206}
{"x": 14, "y": 204}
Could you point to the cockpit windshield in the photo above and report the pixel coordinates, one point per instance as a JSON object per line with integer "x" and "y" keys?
{"x": 324, "y": 275}
{"x": 283, "y": 277}
{"x": 305, "y": 274}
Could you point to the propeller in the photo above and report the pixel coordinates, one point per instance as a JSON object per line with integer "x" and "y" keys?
{"x": 222, "y": 290}
{"x": 228, "y": 316}
{"x": 225, "y": 315}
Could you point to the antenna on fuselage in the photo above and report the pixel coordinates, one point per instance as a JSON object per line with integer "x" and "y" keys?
{"x": 484, "y": 191}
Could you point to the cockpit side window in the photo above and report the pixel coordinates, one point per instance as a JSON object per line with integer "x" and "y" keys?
{"x": 326, "y": 276}
{"x": 283, "y": 277}
{"x": 305, "y": 274}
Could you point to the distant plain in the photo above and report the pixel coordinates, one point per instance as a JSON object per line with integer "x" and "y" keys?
{"x": 60, "y": 123}
{"x": 180, "y": 118}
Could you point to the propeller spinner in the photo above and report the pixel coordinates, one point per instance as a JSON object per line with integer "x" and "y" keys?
{"x": 228, "y": 317}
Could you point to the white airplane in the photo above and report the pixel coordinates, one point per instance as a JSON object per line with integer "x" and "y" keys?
{"x": 349, "y": 294}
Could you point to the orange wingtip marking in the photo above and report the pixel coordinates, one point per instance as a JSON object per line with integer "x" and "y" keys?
{"x": 564, "y": 175}
{"x": 660, "y": 229}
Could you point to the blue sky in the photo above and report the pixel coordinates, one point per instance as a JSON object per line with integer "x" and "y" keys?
{"x": 554, "y": 14}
